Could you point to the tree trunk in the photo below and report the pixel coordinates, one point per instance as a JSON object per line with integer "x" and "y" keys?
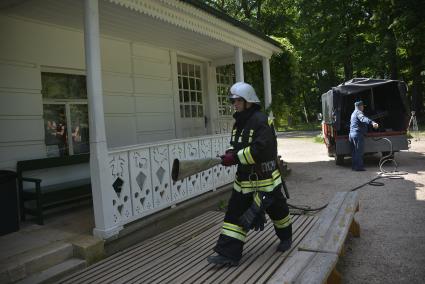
{"x": 417, "y": 87}
{"x": 348, "y": 62}
{"x": 393, "y": 61}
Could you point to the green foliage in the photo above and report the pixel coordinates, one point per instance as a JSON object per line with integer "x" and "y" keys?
{"x": 326, "y": 42}
{"x": 318, "y": 139}
{"x": 222, "y": 205}
{"x": 299, "y": 127}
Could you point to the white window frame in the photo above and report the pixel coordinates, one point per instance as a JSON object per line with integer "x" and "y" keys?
{"x": 198, "y": 92}
{"x": 225, "y": 110}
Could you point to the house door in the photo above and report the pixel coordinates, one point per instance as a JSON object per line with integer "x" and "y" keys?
{"x": 192, "y": 98}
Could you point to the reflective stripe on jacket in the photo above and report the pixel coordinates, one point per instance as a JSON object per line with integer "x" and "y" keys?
{"x": 254, "y": 142}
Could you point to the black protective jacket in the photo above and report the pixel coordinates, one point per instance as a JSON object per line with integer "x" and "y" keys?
{"x": 254, "y": 142}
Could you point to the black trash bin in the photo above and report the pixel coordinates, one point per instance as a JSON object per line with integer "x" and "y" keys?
{"x": 8, "y": 203}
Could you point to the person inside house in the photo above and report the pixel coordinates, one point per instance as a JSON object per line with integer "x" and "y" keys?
{"x": 257, "y": 186}
{"x": 62, "y": 138}
{"x": 50, "y": 138}
{"x": 358, "y": 128}
{"x": 76, "y": 138}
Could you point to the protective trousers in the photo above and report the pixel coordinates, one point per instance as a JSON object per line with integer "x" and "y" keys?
{"x": 357, "y": 149}
{"x": 232, "y": 238}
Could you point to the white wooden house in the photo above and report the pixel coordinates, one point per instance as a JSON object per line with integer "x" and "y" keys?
{"x": 141, "y": 78}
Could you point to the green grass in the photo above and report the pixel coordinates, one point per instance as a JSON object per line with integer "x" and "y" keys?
{"x": 421, "y": 131}
{"x": 222, "y": 205}
{"x": 318, "y": 138}
{"x": 413, "y": 135}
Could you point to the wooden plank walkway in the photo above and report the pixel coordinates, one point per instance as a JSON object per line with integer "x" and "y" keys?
{"x": 179, "y": 256}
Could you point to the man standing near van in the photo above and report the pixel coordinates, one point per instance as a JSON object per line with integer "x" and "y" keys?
{"x": 358, "y": 128}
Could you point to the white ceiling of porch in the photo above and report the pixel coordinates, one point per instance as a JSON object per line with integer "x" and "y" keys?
{"x": 120, "y": 22}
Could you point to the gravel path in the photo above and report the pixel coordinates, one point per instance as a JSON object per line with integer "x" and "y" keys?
{"x": 391, "y": 248}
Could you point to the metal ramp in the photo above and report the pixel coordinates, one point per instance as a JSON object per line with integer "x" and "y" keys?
{"x": 179, "y": 256}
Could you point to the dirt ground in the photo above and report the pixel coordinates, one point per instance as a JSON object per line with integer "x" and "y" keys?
{"x": 391, "y": 248}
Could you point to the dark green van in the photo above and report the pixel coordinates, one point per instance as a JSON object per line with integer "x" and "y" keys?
{"x": 386, "y": 103}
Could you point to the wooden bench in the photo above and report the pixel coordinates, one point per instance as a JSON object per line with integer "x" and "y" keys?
{"x": 317, "y": 254}
{"x": 48, "y": 196}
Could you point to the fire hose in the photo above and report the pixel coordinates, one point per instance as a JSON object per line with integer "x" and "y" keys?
{"x": 383, "y": 174}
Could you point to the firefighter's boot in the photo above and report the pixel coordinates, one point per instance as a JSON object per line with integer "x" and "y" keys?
{"x": 221, "y": 259}
{"x": 284, "y": 245}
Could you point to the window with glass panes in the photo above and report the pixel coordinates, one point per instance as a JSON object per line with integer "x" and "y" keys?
{"x": 225, "y": 79}
{"x": 190, "y": 90}
{"x": 65, "y": 113}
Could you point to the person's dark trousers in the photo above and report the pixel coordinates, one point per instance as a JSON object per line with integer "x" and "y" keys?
{"x": 357, "y": 149}
{"x": 226, "y": 245}
{"x": 238, "y": 204}
{"x": 279, "y": 211}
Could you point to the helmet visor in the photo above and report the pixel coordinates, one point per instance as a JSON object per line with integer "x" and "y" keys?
{"x": 232, "y": 98}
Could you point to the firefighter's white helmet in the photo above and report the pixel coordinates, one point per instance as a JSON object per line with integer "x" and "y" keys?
{"x": 245, "y": 91}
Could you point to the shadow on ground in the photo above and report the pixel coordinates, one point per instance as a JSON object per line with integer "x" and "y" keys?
{"x": 391, "y": 247}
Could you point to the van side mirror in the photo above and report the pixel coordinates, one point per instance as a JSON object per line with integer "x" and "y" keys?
{"x": 319, "y": 116}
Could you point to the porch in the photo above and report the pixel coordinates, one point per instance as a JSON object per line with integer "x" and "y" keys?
{"x": 179, "y": 256}
{"x": 137, "y": 61}
{"x": 64, "y": 244}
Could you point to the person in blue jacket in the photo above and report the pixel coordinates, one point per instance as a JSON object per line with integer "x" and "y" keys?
{"x": 358, "y": 128}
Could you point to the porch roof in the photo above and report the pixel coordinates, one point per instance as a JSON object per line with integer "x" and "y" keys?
{"x": 188, "y": 27}
{"x": 231, "y": 20}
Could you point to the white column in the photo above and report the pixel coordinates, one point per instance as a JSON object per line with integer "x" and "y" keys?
{"x": 239, "y": 64}
{"x": 212, "y": 98}
{"x": 176, "y": 99}
{"x": 101, "y": 190}
{"x": 267, "y": 82}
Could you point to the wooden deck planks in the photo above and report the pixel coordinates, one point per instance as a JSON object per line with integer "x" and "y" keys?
{"x": 264, "y": 245}
{"x": 156, "y": 245}
{"x": 256, "y": 242}
{"x": 179, "y": 256}
{"x": 274, "y": 260}
{"x": 145, "y": 263}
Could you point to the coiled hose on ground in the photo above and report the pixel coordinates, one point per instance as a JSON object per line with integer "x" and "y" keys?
{"x": 383, "y": 174}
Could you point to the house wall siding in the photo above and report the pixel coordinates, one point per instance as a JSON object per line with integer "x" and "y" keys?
{"x": 137, "y": 85}
{"x": 153, "y": 92}
{"x": 21, "y": 114}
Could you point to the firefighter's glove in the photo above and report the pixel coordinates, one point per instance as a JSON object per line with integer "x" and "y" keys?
{"x": 254, "y": 217}
{"x": 229, "y": 159}
{"x": 259, "y": 221}
{"x": 249, "y": 216}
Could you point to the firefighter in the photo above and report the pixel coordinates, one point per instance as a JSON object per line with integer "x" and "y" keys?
{"x": 358, "y": 128}
{"x": 257, "y": 185}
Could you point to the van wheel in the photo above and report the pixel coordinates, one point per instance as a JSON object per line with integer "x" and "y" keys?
{"x": 339, "y": 160}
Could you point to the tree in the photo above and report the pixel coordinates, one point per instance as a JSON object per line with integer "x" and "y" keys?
{"x": 326, "y": 43}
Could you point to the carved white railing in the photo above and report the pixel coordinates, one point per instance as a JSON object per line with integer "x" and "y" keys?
{"x": 140, "y": 176}
{"x": 224, "y": 125}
